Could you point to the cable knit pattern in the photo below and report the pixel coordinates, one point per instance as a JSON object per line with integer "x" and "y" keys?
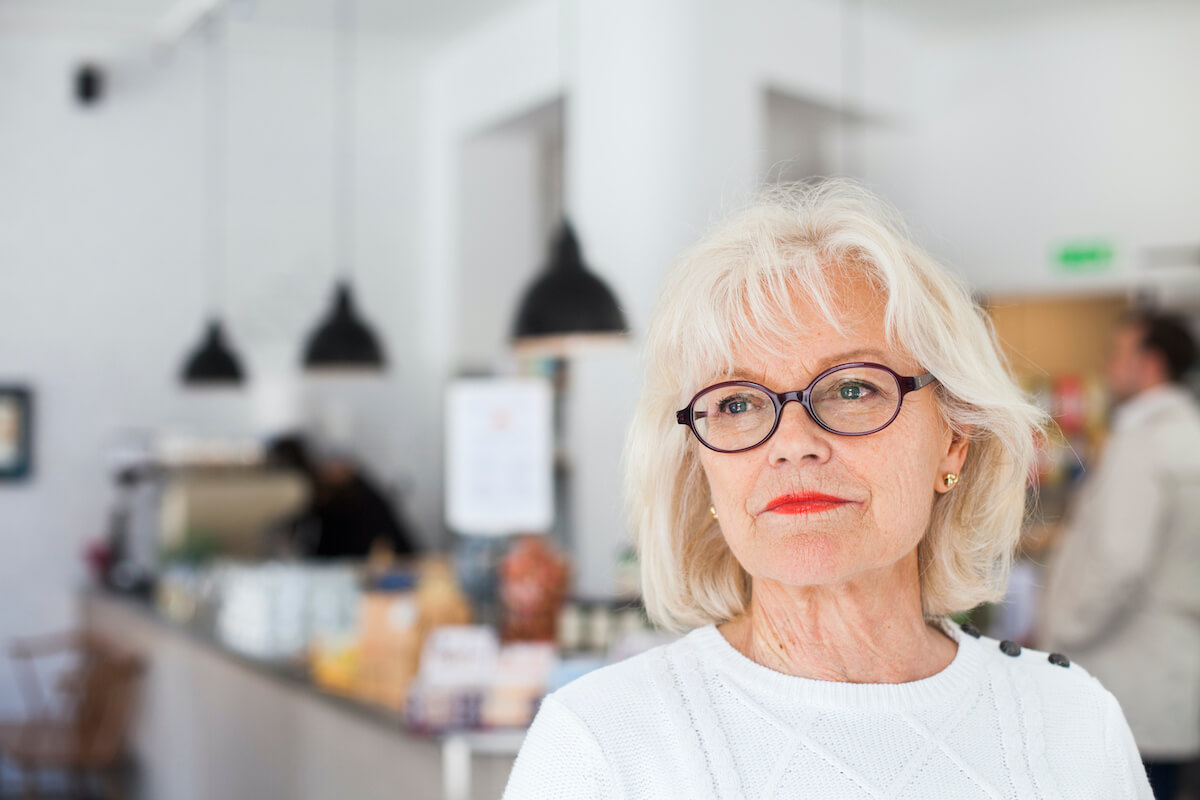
{"x": 696, "y": 719}
{"x": 712, "y": 732}
{"x": 1031, "y": 704}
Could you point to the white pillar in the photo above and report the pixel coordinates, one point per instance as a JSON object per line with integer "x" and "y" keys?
{"x": 655, "y": 143}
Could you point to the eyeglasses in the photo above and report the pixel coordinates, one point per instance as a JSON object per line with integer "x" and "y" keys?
{"x": 850, "y": 400}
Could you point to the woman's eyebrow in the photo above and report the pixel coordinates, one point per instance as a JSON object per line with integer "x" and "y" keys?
{"x": 743, "y": 374}
{"x": 857, "y": 354}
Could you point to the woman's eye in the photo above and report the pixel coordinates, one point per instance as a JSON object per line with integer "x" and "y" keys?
{"x": 735, "y": 405}
{"x": 854, "y": 391}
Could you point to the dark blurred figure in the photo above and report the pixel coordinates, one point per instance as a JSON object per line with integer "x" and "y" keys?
{"x": 346, "y": 515}
{"x": 1123, "y": 593}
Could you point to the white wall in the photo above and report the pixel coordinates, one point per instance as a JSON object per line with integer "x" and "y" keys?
{"x": 1058, "y": 128}
{"x": 503, "y": 236}
{"x": 103, "y": 274}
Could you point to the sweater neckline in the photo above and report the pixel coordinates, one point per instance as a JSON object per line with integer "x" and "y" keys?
{"x": 959, "y": 676}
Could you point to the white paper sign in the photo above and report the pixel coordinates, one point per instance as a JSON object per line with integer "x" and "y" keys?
{"x": 499, "y": 456}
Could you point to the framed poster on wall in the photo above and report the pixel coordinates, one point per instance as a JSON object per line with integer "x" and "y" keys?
{"x": 16, "y": 433}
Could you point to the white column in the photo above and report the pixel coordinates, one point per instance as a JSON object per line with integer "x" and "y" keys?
{"x": 655, "y": 145}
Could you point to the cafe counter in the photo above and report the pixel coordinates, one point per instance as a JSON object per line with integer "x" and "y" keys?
{"x": 214, "y": 724}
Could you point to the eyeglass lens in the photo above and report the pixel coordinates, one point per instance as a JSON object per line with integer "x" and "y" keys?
{"x": 852, "y": 400}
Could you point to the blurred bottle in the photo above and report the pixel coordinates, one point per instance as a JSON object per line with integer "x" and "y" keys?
{"x": 440, "y": 600}
{"x": 533, "y": 585}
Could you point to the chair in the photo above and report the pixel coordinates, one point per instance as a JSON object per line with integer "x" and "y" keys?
{"x": 82, "y": 729}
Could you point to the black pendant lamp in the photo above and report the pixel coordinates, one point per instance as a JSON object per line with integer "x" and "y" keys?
{"x": 343, "y": 340}
{"x": 567, "y": 302}
{"x": 214, "y": 363}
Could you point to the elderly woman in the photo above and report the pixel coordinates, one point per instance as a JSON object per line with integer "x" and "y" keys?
{"x": 828, "y": 459}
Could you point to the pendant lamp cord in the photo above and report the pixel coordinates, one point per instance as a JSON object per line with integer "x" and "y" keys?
{"x": 217, "y": 56}
{"x": 559, "y": 154}
{"x": 344, "y": 149}
{"x": 851, "y": 35}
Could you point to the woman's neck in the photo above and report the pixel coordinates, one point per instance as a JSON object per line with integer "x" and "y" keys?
{"x": 867, "y": 630}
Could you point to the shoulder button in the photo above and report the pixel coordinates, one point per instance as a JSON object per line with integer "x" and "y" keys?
{"x": 970, "y": 630}
{"x": 1059, "y": 660}
{"x": 1010, "y": 648}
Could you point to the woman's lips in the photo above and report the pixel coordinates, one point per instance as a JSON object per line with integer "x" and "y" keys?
{"x": 807, "y": 503}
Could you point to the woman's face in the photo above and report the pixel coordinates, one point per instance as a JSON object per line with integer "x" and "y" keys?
{"x": 884, "y": 483}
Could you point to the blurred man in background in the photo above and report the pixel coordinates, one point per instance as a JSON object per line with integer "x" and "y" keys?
{"x": 1123, "y": 593}
{"x": 347, "y": 514}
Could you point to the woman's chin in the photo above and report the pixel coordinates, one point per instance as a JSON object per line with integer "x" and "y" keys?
{"x": 811, "y": 556}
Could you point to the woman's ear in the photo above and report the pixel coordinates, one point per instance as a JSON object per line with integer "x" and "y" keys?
{"x": 954, "y": 458}
{"x": 959, "y": 444}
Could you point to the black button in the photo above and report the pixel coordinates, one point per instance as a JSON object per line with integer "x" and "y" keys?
{"x": 1010, "y": 648}
{"x": 1059, "y": 660}
{"x": 970, "y": 630}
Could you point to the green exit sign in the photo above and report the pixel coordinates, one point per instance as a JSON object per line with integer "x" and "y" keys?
{"x": 1093, "y": 256}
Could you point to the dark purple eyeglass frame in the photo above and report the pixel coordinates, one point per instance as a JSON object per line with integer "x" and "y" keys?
{"x": 686, "y": 416}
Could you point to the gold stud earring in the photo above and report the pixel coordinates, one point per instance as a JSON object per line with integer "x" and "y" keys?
{"x": 949, "y": 479}
{"x": 713, "y": 511}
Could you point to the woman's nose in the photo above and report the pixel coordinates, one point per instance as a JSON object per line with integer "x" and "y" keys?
{"x": 798, "y": 438}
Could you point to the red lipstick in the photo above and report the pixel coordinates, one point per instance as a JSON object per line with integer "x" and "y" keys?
{"x": 806, "y": 503}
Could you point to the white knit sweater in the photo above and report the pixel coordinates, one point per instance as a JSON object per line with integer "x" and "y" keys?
{"x": 697, "y": 719}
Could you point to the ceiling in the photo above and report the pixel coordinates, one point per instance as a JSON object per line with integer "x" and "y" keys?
{"x": 980, "y": 13}
{"x": 428, "y": 19}
{"x": 444, "y": 19}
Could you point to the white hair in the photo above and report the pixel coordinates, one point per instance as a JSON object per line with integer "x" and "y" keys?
{"x": 734, "y": 290}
